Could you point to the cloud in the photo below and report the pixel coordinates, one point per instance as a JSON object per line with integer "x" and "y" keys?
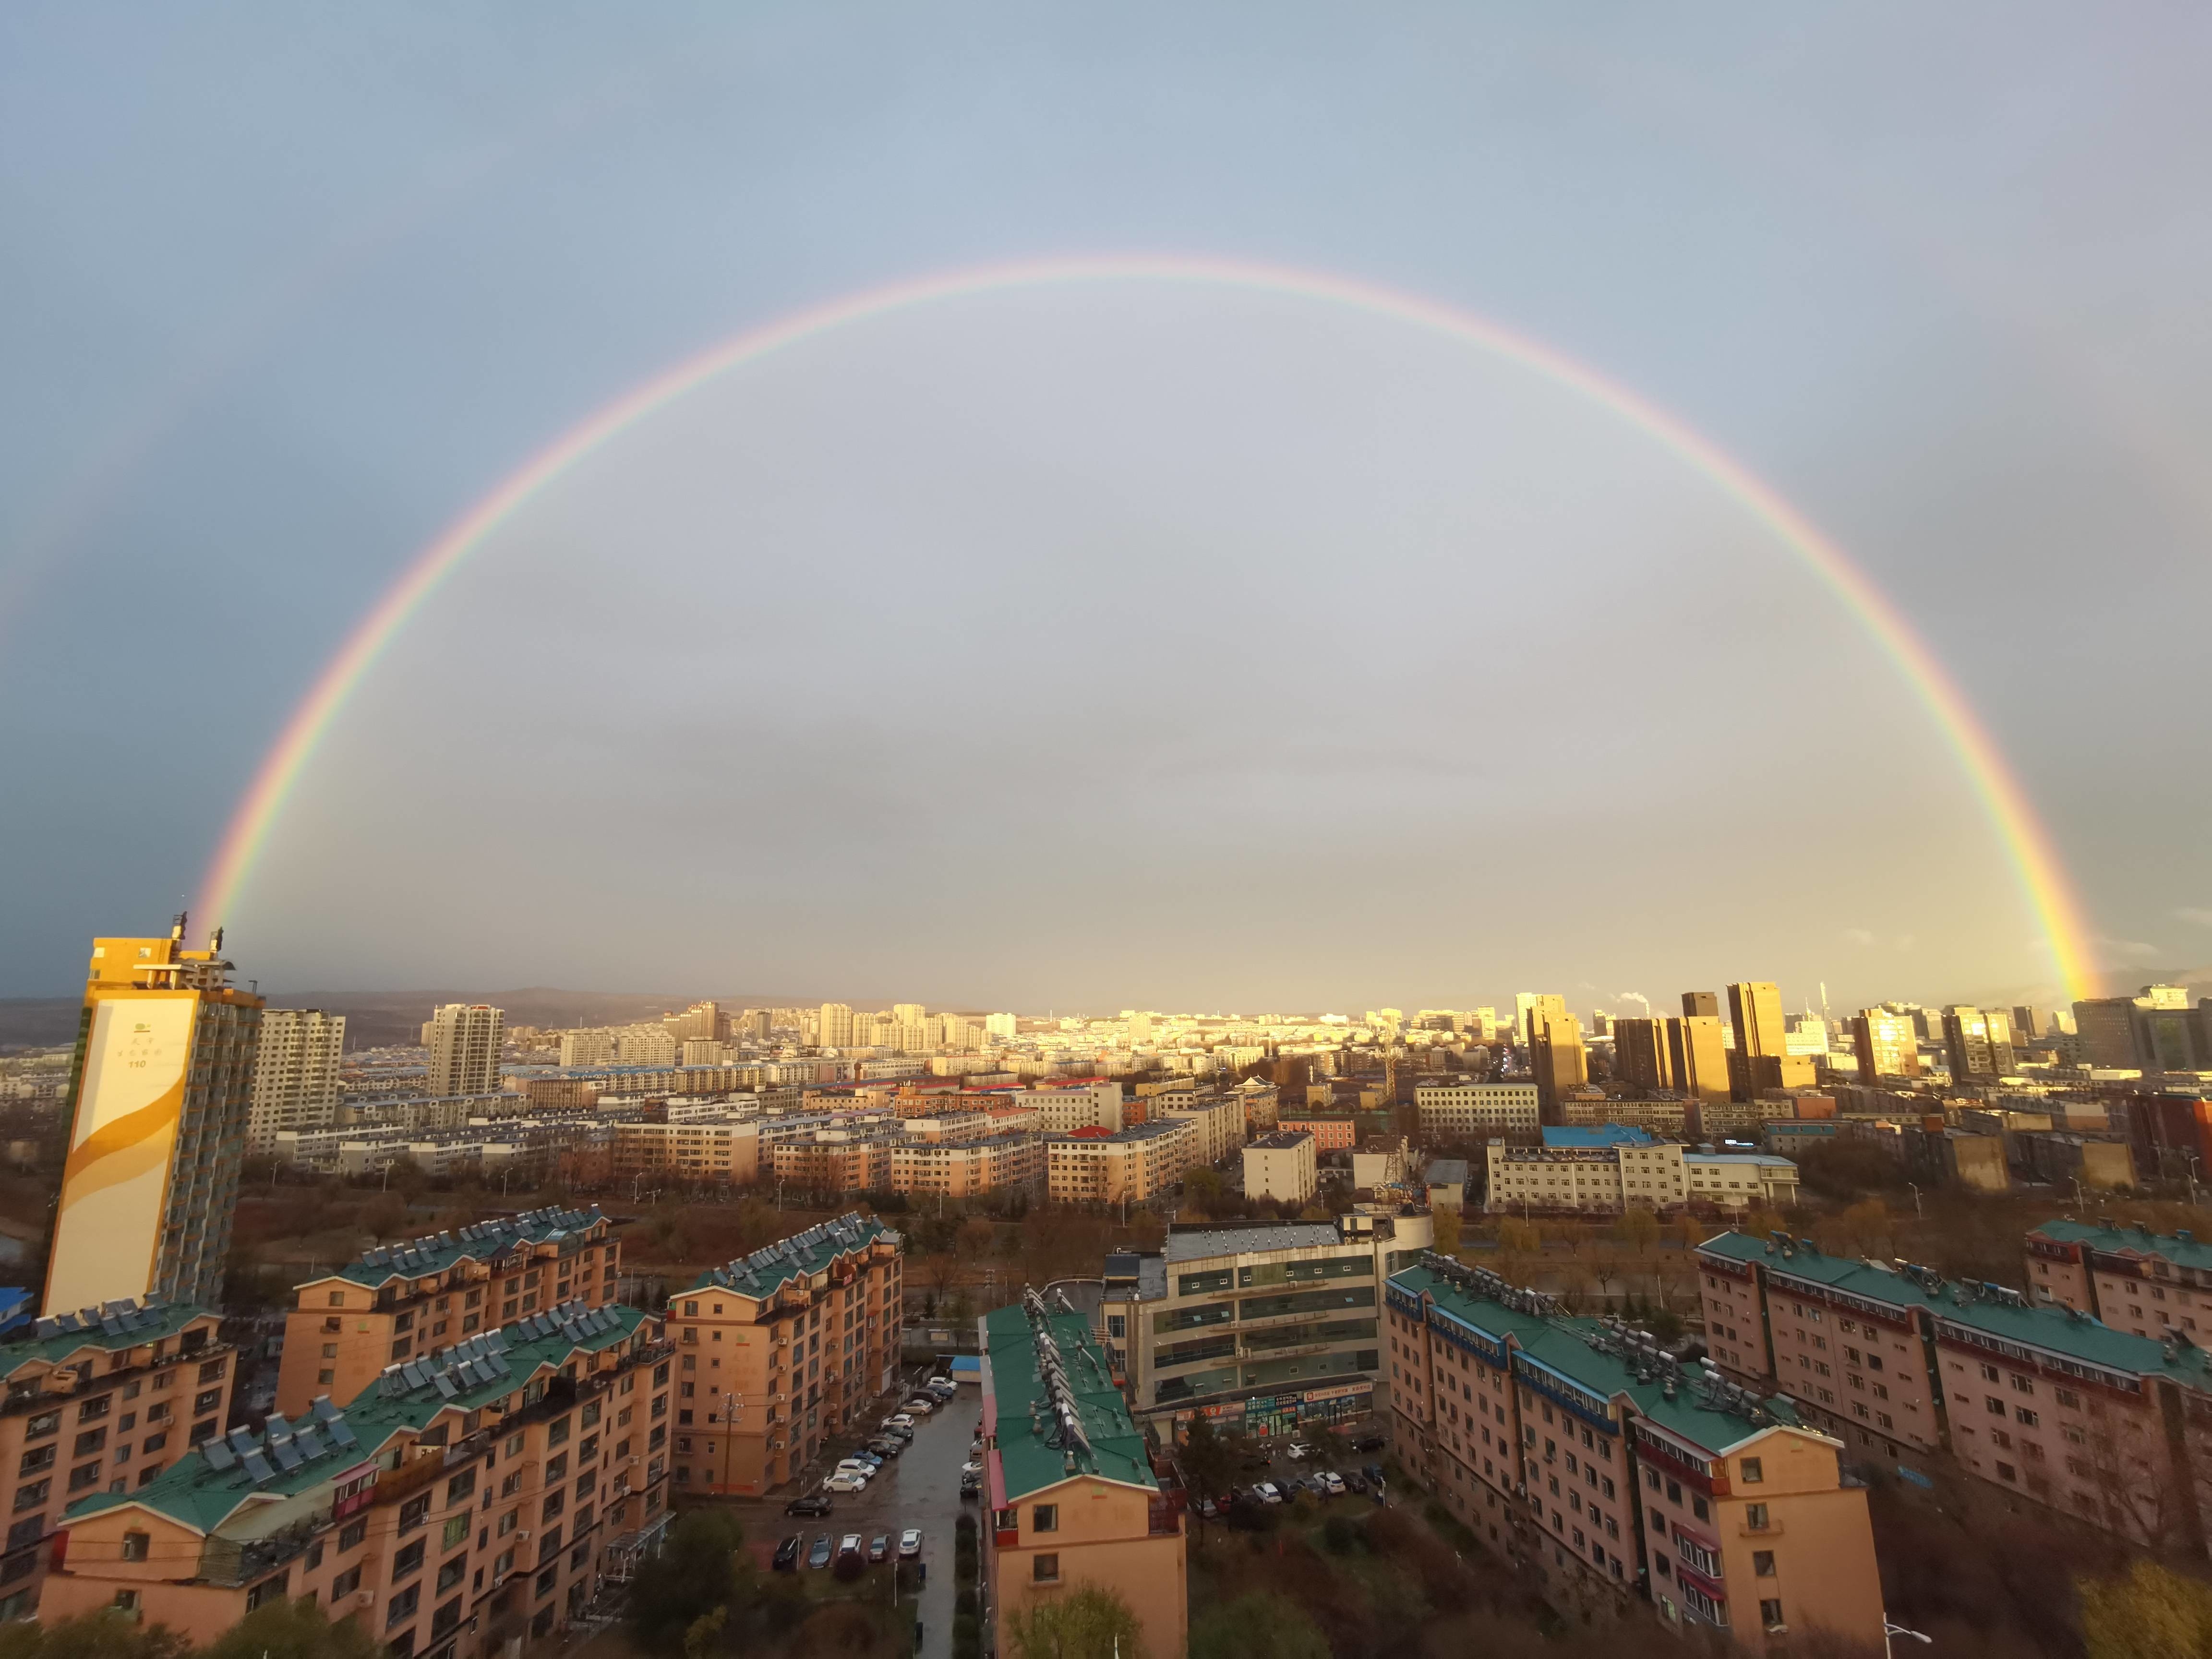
{"x": 1858, "y": 935}
{"x": 2130, "y": 947}
{"x": 2197, "y": 913}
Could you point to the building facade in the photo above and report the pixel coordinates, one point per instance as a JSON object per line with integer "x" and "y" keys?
{"x": 161, "y": 1087}
{"x": 1594, "y": 1463}
{"x": 1281, "y": 1166}
{"x": 398, "y": 1302}
{"x": 97, "y": 1403}
{"x": 1074, "y": 1500}
{"x": 778, "y": 1350}
{"x": 466, "y": 1504}
{"x": 1467, "y": 1110}
{"x": 295, "y": 1074}
{"x": 464, "y": 1043}
{"x": 1259, "y": 1328}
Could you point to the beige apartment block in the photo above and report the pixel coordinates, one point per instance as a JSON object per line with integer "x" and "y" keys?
{"x": 99, "y": 1405}
{"x": 465, "y": 1505}
{"x": 779, "y": 1350}
{"x": 1282, "y": 1166}
{"x": 398, "y": 1302}
{"x": 1072, "y": 1494}
{"x": 1564, "y": 1443}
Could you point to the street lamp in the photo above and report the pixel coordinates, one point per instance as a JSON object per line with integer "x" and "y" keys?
{"x": 1919, "y": 1214}
{"x": 1889, "y": 1630}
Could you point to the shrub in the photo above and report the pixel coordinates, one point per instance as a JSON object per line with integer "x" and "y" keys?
{"x": 1340, "y": 1534}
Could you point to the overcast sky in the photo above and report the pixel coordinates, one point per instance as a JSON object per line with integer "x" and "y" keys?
{"x": 1112, "y": 644}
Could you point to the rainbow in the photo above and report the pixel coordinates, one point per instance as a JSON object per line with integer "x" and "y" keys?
{"x": 2034, "y": 861}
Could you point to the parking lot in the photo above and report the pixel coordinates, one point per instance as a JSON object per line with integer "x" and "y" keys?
{"x": 1277, "y": 1465}
{"x": 918, "y": 1488}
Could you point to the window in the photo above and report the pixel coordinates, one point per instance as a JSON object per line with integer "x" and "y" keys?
{"x": 407, "y": 1560}
{"x": 1762, "y": 1563}
{"x": 1754, "y": 1516}
{"x": 1044, "y": 1570}
{"x": 1770, "y": 1613}
{"x": 135, "y": 1545}
{"x": 345, "y": 1584}
{"x": 351, "y": 1534}
{"x": 457, "y": 1529}
{"x": 403, "y": 1607}
{"x": 1045, "y": 1517}
{"x": 1752, "y": 1472}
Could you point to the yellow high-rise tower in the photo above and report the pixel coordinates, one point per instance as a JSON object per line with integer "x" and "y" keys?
{"x": 162, "y": 1082}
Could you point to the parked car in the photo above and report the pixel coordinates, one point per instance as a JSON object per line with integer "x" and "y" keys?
{"x": 1208, "y": 1510}
{"x": 1298, "y": 1449}
{"x": 850, "y": 1544}
{"x": 860, "y": 1462}
{"x": 943, "y": 1387}
{"x": 910, "y": 1543}
{"x": 879, "y": 1547}
{"x": 1330, "y": 1482}
{"x": 899, "y": 1420}
{"x": 819, "y": 1555}
{"x": 786, "y": 1553}
{"x": 808, "y": 1504}
{"x": 971, "y": 1485}
{"x": 1373, "y": 1472}
{"x": 919, "y": 1406}
{"x": 1368, "y": 1442}
{"x": 845, "y": 1481}
{"x": 1267, "y": 1492}
{"x": 1355, "y": 1480}
{"x": 884, "y": 1445}
{"x": 971, "y": 1466}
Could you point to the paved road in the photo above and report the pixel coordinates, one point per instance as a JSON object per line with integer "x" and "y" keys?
{"x": 921, "y": 1488}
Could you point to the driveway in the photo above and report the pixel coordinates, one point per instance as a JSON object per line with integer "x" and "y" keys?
{"x": 919, "y": 1488}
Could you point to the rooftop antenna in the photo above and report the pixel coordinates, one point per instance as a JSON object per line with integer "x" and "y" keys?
{"x": 177, "y": 926}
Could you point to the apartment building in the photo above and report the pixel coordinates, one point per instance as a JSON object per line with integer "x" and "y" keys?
{"x": 1282, "y": 1166}
{"x": 1476, "y": 1108}
{"x": 465, "y": 1504}
{"x": 398, "y": 1302}
{"x": 1073, "y": 1498}
{"x": 1217, "y": 1123}
{"x": 99, "y": 1401}
{"x": 1736, "y": 1181}
{"x": 968, "y": 1169}
{"x": 295, "y": 1074}
{"x": 1333, "y": 1132}
{"x": 2149, "y": 1284}
{"x": 834, "y": 1161}
{"x": 1670, "y": 1118}
{"x": 779, "y": 1349}
{"x": 725, "y": 1151}
{"x": 2043, "y": 1401}
{"x": 1067, "y": 1107}
{"x": 464, "y": 1040}
{"x": 1134, "y": 1165}
{"x": 1591, "y": 1461}
{"x": 1262, "y": 1328}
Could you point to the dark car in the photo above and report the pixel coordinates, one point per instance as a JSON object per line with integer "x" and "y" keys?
{"x": 786, "y": 1553}
{"x": 1356, "y": 1482}
{"x": 884, "y": 1446}
{"x": 898, "y": 1431}
{"x": 1368, "y": 1442}
{"x": 809, "y": 1504}
{"x": 819, "y": 1555}
{"x": 971, "y": 1485}
{"x": 1373, "y": 1472}
{"x": 879, "y": 1547}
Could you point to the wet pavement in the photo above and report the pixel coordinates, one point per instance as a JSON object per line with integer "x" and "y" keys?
{"x": 919, "y": 1488}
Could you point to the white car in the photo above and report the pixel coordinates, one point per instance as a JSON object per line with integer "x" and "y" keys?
{"x": 898, "y": 1421}
{"x": 971, "y": 1466}
{"x": 845, "y": 1481}
{"x": 910, "y": 1543}
{"x": 943, "y": 1387}
{"x": 1332, "y": 1481}
{"x": 1297, "y": 1451}
{"x": 920, "y": 1404}
{"x": 1269, "y": 1492}
{"x": 854, "y": 1465}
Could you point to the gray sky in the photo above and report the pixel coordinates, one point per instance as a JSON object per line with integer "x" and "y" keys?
{"x": 1104, "y": 646}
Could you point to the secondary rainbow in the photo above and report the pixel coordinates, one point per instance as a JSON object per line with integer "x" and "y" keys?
{"x": 2029, "y": 846}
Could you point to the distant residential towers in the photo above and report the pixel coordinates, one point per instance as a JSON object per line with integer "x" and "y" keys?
{"x": 295, "y": 1074}
{"x": 464, "y": 1044}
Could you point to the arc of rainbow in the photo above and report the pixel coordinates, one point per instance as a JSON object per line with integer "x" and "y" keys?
{"x": 2027, "y": 846}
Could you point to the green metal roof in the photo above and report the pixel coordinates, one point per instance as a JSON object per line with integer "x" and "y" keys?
{"x": 1027, "y": 1424}
{"x": 438, "y": 1252}
{"x": 196, "y": 1493}
{"x": 1993, "y": 1309}
{"x": 800, "y": 1256}
{"x": 134, "y": 1325}
{"x": 2183, "y": 1252}
{"x": 1598, "y": 1358}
